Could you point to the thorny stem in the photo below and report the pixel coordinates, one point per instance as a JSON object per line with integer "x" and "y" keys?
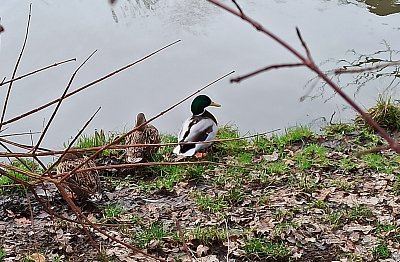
{"x": 312, "y": 66}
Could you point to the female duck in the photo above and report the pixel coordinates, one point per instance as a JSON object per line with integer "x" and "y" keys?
{"x": 201, "y": 126}
{"x": 147, "y": 134}
{"x": 85, "y": 184}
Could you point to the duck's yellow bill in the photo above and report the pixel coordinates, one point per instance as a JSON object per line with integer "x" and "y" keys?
{"x": 215, "y": 104}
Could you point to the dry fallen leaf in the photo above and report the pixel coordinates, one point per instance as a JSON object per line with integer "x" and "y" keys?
{"x": 37, "y": 257}
{"x": 23, "y": 221}
{"x": 202, "y": 250}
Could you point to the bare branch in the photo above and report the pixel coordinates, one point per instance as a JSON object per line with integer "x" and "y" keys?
{"x": 312, "y": 66}
{"x": 116, "y": 141}
{"x": 86, "y": 86}
{"x": 36, "y": 71}
{"x": 366, "y": 69}
{"x": 240, "y": 78}
{"x": 72, "y": 142}
{"x": 16, "y": 67}
{"x": 51, "y": 152}
{"x": 303, "y": 43}
{"x": 60, "y": 101}
{"x": 238, "y": 7}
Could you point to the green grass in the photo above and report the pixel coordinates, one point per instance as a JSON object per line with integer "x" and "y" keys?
{"x": 113, "y": 211}
{"x": 285, "y": 227}
{"x": 381, "y": 251}
{"x": 293, "y": 135}
{"x": 213, "y": 204}
{"x": 311, "y": 155}
{"x": 339, "y": 130}
{"x": 233, "y": 146}
{"x": 277, "y": 167}
{"x": 262, "y": 248}
{"x": 2, "y": 254}
{"x": 378, "y": 163}
{"x": 167, "y": 177}
{"x": 396, "y": 185}
{"x": 234, "y": 196}
{"x": 24, "y": 164}
{"x": 347, "y": 164}
{"x": 95, "y": 140}
{"x": 208, "y": 235}
{"x": 155, "y": 231}
{"x": 385, "y": 227}
{"x": 360, "y": 213}
{"x": 385, "y": 112}
{"x": 320, "y": 204}
{"x": 335, "y": 218}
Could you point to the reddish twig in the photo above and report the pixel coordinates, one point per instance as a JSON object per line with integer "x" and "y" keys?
{"x": 59, "y": 102}
{"x": 36, "y": 71}
{"x": 182, "y": 237}
{"x": 312, "y": 66}
{"x": 116, "y": 141}
{"x": 75, "y": 150}
{"x": 85, "y": 86}
{"x": 16, "y": 67}
{"x": 72, "y": 142}
{"x": 240, "y": 78}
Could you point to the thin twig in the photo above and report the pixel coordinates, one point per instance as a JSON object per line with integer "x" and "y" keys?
{"x": 303, "y": 43}
{"x": 16, "y": 67}
{"x": 36, "y": 71}
{"x": 182, "y": 237}
{"x": 86, "y": 86}
{"x": 312, "y": 66}
{"x": 79, "y": 150}
{"x": 240, "y": 78}
{"x": 21, "y": 134}
{"x": 116, "y": 141}
{"x": 229, "y": 241}
{"x": 60, "y": 101}
{"x": 366, "y": 69}
{"x": 72, "y": 142}
{"x": 238, "y": 7}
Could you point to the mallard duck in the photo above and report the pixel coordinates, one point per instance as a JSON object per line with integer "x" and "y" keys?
{"x": 201, "y": 126}
{"x": 146, "y": 134}
{"x": 86, "y": 184}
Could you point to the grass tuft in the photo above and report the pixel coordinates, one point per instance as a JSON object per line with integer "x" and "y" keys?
{"x": 261, "y": 248}
{"x": 386, "y": 113}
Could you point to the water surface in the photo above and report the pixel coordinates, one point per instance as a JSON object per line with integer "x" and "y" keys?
{"x": 213, "y": 43}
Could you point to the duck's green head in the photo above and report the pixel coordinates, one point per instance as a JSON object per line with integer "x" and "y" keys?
{"x": 200, "y": 103}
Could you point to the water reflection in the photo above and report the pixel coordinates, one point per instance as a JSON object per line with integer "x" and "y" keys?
{"x": 383, "y": 7}
{"x": 127, "y": 9}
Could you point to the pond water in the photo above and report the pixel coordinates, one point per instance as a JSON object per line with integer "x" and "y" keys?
{"x": 213, "y": 43}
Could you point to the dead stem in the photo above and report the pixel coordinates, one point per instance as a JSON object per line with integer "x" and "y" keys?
{"x": 36, "y": 71}
{"x": 60, "y": 101}
{"x": 16, "y": 67}
{"x": 116, "y": 141}
{"x": 86, "y": 86}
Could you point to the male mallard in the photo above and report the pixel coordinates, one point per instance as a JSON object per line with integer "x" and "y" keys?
{"x": 147, "y": 134}
{"x": 201, "y": 126}
{"x": 86, "y": 184}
